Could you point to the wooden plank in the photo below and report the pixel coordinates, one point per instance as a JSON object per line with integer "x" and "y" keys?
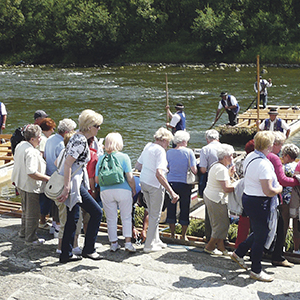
{"x": 6, "y": 157}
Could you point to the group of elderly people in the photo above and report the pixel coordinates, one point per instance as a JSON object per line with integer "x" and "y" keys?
{"x": 32, "y": 158}
{"x": 263, "y": 182}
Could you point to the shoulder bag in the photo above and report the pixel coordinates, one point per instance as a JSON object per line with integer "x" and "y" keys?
{"x": 55, "y": 185}
{"x": 190, "y": 176}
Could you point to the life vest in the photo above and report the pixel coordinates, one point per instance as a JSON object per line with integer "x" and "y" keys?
{"x": 234, "y": 110}
{"x": 277, "y": 125}
{"x": 181, "y": 124}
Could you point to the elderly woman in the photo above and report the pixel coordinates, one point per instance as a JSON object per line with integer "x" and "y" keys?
{"x": 260, "y": 186}
{"x": 75, "y": 193}
{"x": 117, "y": 195}
{"x": 28, "y": 176}
{"x": 153, "y": 165}
{"x": 278, "y": 258}
{"x": 180, "y": 159}
{"x": 48, "y": 126}
{"x": 215, "y": 197}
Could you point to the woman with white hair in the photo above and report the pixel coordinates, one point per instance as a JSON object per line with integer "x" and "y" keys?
{"x": 75, "y": 193}
{"x": 118, "y": 195}
{"x": 180, "y": 159}
{"x": 29, "y": 178}
{"x": 215, "y": 197}
{"x": 153, "y": 165}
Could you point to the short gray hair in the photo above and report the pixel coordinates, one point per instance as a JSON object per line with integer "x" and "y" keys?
{"x": 291, "y": 150}
{"x": 32, "y": 131}
{"x": 224, "y": 150}
{"x": 212, "y": 135}
{"x": 181, "y": 136}
{"x": 66, "y": 125}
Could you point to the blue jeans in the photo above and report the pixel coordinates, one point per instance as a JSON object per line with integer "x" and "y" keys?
{"x": 92, "y": 207}
{"x": 258, "y": 211}
{"x": 184, "y": 192}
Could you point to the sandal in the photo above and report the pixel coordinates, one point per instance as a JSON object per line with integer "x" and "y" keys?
{"x": 93, "y": 256}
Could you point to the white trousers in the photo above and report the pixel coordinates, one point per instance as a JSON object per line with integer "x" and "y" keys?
{"x": 154, "y": 199}
{"x": 112, "y": 200}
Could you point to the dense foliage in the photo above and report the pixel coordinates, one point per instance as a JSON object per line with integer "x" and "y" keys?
{"x": 97, "y": 31}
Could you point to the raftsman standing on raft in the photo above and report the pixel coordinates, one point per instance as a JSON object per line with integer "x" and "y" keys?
{"x": 230, "y": 104}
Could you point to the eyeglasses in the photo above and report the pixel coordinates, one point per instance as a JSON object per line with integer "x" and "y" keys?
{"x": 96, "y": 126}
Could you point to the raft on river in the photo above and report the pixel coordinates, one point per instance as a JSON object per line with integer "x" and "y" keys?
{"x": 246, "y": 126}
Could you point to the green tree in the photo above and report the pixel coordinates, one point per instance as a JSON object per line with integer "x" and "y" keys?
{"x": 11, "y": 20}
{"x": 220, "y": 33}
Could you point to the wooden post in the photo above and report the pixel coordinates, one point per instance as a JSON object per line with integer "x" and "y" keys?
{"x": 167, "y": 96}
{"x": 258, "y": 91}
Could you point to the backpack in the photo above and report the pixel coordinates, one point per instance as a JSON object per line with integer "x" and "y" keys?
{"x": 16, "y": 138}
{"x": 110, "y": 171}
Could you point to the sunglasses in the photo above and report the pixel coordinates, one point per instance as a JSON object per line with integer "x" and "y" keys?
{"x": 96, "y": 126}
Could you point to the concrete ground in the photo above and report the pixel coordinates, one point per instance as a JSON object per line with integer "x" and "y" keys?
{"x": 177, "y": 272}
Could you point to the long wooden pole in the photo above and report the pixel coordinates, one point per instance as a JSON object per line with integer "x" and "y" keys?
{"x": 258, "y": 91}
{"x": 167, "y": 96}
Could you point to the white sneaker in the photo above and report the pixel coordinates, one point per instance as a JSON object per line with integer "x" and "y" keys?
{"x": 114, "y": 247}
{"x": 36, "y": 242}
{"x": 296, "y": 251}
{"x": 163, "y": 245}
{"x": 77, "y": 251}
{"x": 152, "y": 249}
{"x": 238, "y": 260}
{"x": 58, "y": 251}
{"x": 129, "y": 247}
{"x": 262, "y": 276}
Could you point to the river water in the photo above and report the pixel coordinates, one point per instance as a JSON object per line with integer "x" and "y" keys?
{"x": 132, "y": 98}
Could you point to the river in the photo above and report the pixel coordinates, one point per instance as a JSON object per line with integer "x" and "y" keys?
{"x": 132, "y": 98}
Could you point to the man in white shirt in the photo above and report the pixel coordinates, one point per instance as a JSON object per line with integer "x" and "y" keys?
{"x": 274, "y": 123}
{"x": 3, "y": 116}
{"x": 263, "y": 85}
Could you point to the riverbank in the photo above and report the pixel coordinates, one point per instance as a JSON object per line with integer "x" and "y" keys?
{"x": 177, "y": 272}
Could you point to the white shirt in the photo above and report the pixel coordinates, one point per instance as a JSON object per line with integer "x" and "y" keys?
{"x": 284, "y": 125}
{"x": 256, "y": 170}
{"x": 214, "y": 191}
{"x": 28, "y": 160}
{"x": 232, "y": 99}
{"x": 152, "y": 158}
{"x": 3, "y": 109}
{"x": 262, "y": 83}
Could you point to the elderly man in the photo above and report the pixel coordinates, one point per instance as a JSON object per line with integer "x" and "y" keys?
{"x": 230, "y": 104}
{"x": 39, "y": 115}
{"x": 273, "y": 123}
{"x": 208, "y": 156}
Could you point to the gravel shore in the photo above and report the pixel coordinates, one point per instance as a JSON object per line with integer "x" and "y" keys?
{"x": 177, "y": 272}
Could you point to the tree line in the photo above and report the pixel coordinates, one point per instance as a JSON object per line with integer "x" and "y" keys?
{"x": 98, "y": 31}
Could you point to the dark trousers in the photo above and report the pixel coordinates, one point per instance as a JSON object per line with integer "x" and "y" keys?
{"x": 92, "y": 207}
{"x": 258, "y": 210}
{"x": 184, "y": 192}
{"x": 277, "y": 254}
{"x": 232, "y": 117}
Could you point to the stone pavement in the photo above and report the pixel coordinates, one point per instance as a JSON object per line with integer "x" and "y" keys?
{"x": 177, "y": 272}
